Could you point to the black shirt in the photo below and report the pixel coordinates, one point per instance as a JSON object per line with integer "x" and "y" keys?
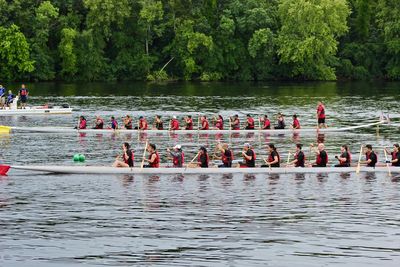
{"x": 396, "y": 156}
{"x": 272, "y": 158}
{"x": 345, "y": 155}
{"x": 203, "y": 159}
{"x": 300, "y": 159}
{"x": 374, "y": 159}
{"x": 252, "y": 162}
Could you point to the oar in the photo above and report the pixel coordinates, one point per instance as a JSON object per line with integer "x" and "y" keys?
{"x": 269, "y": 165}
{"x": 198, "y": 123}
{"x": 195, "y": 157}
{"x": 288, "y": 158}
{"x": 359, "y": 160}
{"x": 144, "y": 154}
{"x": 387, "y": 164}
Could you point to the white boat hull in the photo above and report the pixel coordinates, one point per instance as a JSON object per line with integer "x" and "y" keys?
{"x": 35, "y": 111}
{"x": 155, "y": 171}
{"x": 111, "y": 131}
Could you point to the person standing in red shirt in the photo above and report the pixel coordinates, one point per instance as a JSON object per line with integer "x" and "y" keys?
{"x": 321, "y": 115}
{"x": 296, "y": 122}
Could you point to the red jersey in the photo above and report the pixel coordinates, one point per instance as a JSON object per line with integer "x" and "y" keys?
{"x": 267, "y": 124}
{"x": 189, "y": 124}
{"x": 219, "y": 124}
{"x": 174, "y": 124}
{"x": 82, "y": 124}
{"x": 204, "y": 124}
{"x": 296, "y": 124}
{"x": 156, "y": 162}
{"x": 143, "y": 124}
{"x": 250, "y": 123}
{"x": 321, "y": 112}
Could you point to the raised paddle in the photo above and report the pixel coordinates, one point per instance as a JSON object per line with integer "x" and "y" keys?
{"x": 288, "y": 158}
{"x": 387, "y": 164}
{"x": 144, "y": 154}
{"x": 359, "y": 160}
{"x": 195, "y": 157}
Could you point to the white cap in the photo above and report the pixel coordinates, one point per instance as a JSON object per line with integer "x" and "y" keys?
{"x": 177, "y": 147}
{"x": 174, "y": 117}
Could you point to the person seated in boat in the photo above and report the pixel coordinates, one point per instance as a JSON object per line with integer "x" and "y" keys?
{"x": 188, "y": 122}
{"x": 299, "y": 157}
{"x": 2, "y": 97}
{"x": 249, "y": 157}
{"x": 81, "y": 124}
{"x": 10, "y": 98}
{"x": 395, "y": 155}
{"x": 266, "y": 123}
{"x": 114, "y": 123}
{"x": 177, "y": 156}
{"x": 143, "y": 125}
{"x": 204, "y": 123}
{"x": 203, "y": 158}
{"x": 174, "y": 124}
{"x": 99, "y": 123}
{"x": 321, "y": 155}
{"x": 280, "y": 122}
{"x": 219, "y": 122}
{"x": 127, "y": 159}
{"x": 321, "y": 115}
{"x": 370, "y": 157}
{"x": 235, "y": 122}
{"x": 274, "y": 159}
{"x": 23, "y": 96}
{"x": 344, "y": 158}
{"x": 226, "y": 156}
{"x": 154, "y": 158}
{"x": 249, "y": 122}
{"x": 295, "y": 123}
{"x": 159, "y": 124}
{"x": 127, "y": 121}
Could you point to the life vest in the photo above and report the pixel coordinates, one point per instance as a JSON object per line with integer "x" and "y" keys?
{"x": 143, "y": 124}
{"x": 156, "y": 162}
{"x": 252, "y": 161}
{"x": 181, "y": 158}
{"x": 131, "y": 159}
{"x": 348, "y": 160}
{"x": 99, "y": 124}
{"x": 250, "y": 123}
{"x": 204, "y": 125}
{"x": 281, "y": 124}
{"x": 82, "y": 124}
{"x": 300, "y": 163}
{"x": 321, "y": 111}
{"x": 236, "y": 124}
{"x": 174, "y": 124}
{"x": 219, "y": 124}
{"x": 371, "y": 155}
{"x": 271, "y": 159}
{"x": 394, "y": 156}
{"x": 2, "y": 91}
{"x": 267, "y": 124}
{"x": 10, "y": 98}
{"x": 227, "y": 159}
{"x": 128, "y": 125}
{"x": 296, "y": 124}
{"x": 23, "y": 92}
{"x": 205, "y": 164}
{"x": 319, "y": 160}
{"x": 160, "y": 125}
{"x": 114, "y": 124}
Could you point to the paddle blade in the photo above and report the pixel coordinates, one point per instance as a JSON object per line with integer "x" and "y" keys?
{"x": 4, "y": 169}
{"x": 5, "y": 129}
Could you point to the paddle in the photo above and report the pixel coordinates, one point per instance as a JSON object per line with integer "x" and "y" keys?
{"x": 269, "y": 165}
{"x": 387, "y": 164}
{"x": 195, "y": 157}
{"x": 288, "y": 158}
{"x": 359, "y": 160}
{"x": 144, "y": 154}
{"x": 198, "y": 123}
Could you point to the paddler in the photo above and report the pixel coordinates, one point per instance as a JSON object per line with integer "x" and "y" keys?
{"x": 370, "y": 157}
{"x": 274, "y": 159}
{"x": 174, "y": 124}
{"x": 154, "y": 158}
{"x": 249, "y": 157}
{"x": 280, "y": 122}
{"x": 321, "y": 155}
{"x": 344, "y": 158}
{"x": 178, "y": 157}
{"x": 82, "y": 123}
{"x": 249, "y": 122}
{"x": 128, "y": 122}
{"x": 114, "y": 123}
{"x": 219, "y": 122}
{"x": 266, "y": 123}
{"x": 295, "y": 123}
{"x": 99, "y": 123}
{"x": 395, "y": 155}
{"x": 204, "y": 123}
{"x": 188, "y": 122}
{"x": 321, "y": 115}
{"x": 203, "y": 158}
{"x": 2, "y": 97}
{"x": 159, "y": 124}
{"x": 143, "y": 125}
{"x": 299, "y": 157}
{"x": 226, "y": 156}
{"x": 127, "y": 159}
{"x": 23, "y": 96}
{"x": 235, "y": 122}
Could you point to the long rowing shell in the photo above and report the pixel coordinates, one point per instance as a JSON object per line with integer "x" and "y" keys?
{"x": 272, "y": 131}
{"x": 36, "y": 111}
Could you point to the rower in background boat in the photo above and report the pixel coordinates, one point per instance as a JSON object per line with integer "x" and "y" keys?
{"x": 174, "y": 125}
{"x": 274, "y": 159}
{"x": 235, "y": 122}
{"x": 226, "y": 155}
{"x": 23, "y": 96}
{"x": 143, "y": 125}
{"x": 204, "y": 123}
{"x": 99, "y": 123}
{"x": 321, "y": 155}
{"x": 219, "y": 123}
{"x": 127, "y": 120}
{"x": 295, "y": 123}
{"x": 395, "y": 155}
{"x": 154, "y": 158}
{"x": 266, "y": 123}
{"x": 370, "y": 157}
{"x": 188, "y": 122}
{"x": 280, "y": 122}
{"x": 249, "y": 123}
{"x": 321, "y": 115}
{"x": 177, "y": 156}
{"x": 127, "y": 159}
{"x": 299, "y": 157}
{"x": 81, "y": 124}
{"x": 249, "y": 157}
{"x": 2, "y": 97}
{"x": 159, "y": 124}
{"x": 344, "y": 158}
{"x": 114, "y": 123}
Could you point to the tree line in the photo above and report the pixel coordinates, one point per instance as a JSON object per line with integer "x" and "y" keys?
{"x": 208, "y": 40}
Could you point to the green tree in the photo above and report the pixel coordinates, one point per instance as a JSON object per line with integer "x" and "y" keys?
{"x": 67, "y": 53}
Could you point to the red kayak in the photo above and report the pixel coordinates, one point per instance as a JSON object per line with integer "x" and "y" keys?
{"x": 4, "y": 169}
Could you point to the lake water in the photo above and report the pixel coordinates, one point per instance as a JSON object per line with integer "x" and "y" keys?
{"x": 262, "y": 220}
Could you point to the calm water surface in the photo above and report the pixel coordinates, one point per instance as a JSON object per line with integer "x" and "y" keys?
{"x": 262, "y": 220}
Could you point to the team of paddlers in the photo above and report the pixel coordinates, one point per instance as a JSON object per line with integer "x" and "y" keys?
{"x": 226, "y": 156}
{"x": 216, "y": 123}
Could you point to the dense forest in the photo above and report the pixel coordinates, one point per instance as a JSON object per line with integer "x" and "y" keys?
{"x": 97, "y": 40}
